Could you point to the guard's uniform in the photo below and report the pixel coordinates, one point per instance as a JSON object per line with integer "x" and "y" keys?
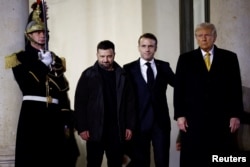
{"x": 45, "y": 128}
{"x": 45, "y": 132}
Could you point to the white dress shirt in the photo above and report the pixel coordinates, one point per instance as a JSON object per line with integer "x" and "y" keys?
{"x": 211, "y": 54}
{"x": 144, "y": 68}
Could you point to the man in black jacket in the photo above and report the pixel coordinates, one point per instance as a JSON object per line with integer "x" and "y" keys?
{"x": 104, "y": 107}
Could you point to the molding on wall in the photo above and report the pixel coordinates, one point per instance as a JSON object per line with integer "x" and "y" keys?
{"x": 7, "y": 160}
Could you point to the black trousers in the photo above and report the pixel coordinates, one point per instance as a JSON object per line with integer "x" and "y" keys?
{"x": 112, "y": 148}
{"x": 141, "y": 145}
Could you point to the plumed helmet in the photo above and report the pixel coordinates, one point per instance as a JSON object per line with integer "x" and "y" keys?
{"x": 35, "y": 20}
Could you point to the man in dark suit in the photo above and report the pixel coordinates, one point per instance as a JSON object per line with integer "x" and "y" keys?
{"x": 207, "y": 100}
{"x": 153, "y": 122}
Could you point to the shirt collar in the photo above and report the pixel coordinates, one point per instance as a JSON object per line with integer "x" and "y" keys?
{"x": 143, "y": 61}
{"x": 211, "y": 51}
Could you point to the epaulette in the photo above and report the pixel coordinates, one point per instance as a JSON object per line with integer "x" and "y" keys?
{"x": 11, "y": 61}
{"x": 63, "y": 63}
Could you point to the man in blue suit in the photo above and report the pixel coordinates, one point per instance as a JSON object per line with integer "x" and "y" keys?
{"x": 153, "y": 122}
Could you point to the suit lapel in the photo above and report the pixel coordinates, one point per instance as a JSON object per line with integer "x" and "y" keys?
{"x": 216, "y": 59}
{"x": 199, "y": 61}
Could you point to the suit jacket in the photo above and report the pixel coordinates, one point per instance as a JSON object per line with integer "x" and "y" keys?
{"x": 157, "y": 97}
{"x": 208, "y": 99}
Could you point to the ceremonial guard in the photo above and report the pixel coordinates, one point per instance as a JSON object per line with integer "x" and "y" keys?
{"x": 45, "y": 132}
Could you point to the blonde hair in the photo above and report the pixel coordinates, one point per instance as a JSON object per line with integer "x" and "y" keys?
{"x": 205, "y": 25}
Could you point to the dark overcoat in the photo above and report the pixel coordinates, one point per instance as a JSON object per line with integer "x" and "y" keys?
{"x": 208, "y": 99}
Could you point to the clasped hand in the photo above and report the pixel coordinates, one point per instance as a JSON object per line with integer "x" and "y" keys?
{"x": 45, "y": 57}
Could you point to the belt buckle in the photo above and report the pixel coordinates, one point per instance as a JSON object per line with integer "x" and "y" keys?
{"x": 49, "y": 99}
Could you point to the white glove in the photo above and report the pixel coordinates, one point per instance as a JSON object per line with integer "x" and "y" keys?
{"x": 45, "y": 57}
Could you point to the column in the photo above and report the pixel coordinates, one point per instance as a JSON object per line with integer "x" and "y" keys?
{"x": 233, "y": 31}
{"x": 13, "y": 16}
